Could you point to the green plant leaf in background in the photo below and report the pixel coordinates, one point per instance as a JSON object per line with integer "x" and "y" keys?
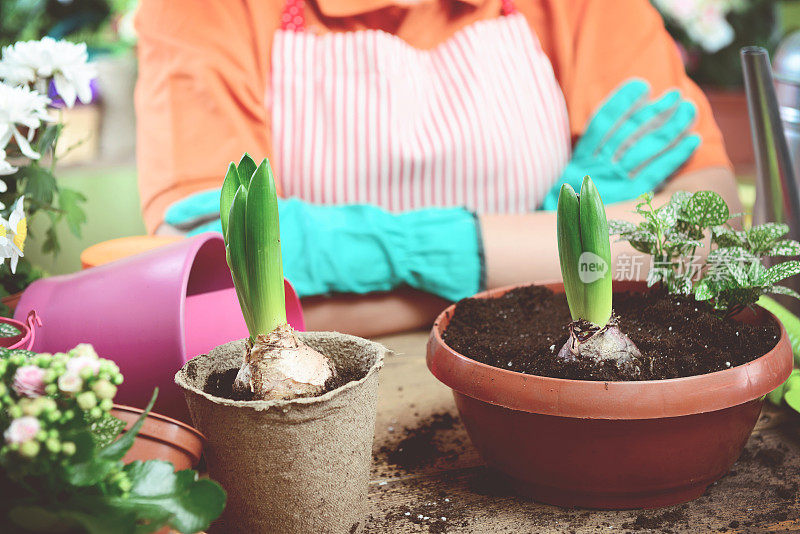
{"x": 40, "y": 185}
{"x": 706, "y": 208}
{"x": 8, "y": 330}
{"x": 189, "y": 504}
{"x": 791, "y": 390}
{"x": 69, "y": 202}
{"x": 106, "y": 429}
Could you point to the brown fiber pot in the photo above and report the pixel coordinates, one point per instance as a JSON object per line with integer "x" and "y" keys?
{"x": 610, "y": 445}
{"x": 296, "y": 467}
{"x": 161, "y": 438}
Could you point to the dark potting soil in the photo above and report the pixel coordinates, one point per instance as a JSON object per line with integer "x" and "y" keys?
{"x": 220, "y": 384}
{"x": 524, "y": 329}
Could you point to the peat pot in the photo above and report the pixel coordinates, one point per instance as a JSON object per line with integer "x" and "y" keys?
{"x": 609, "y": 445}
{"x": 296, "y": 466}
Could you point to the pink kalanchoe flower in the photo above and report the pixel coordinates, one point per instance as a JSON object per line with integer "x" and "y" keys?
{"x": 22, "y": 429}
{"x": 29, "y": 381}
{"x": 79, "y": 363}
{"x": 70, "y": 382}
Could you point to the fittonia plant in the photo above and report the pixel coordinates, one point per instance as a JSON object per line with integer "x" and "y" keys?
{"x": 276, "y": 365}
{"x": 585, "y": 254}
{"x": 733, "y": 275}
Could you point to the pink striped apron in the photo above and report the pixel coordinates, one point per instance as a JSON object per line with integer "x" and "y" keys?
{"x": 363, "y": 117}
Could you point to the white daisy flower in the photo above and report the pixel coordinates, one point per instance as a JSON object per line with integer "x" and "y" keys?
{"x": 27, "y": 62}
{"x": 20, "y": 106}
{"x": 17, "y": 232}
{"x": 5, "y": 169}
{"x": 5, "y": 242}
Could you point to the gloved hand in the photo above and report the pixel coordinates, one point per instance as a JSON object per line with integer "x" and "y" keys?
{"x": 631, "y": 144}
{"x": 362, "y": 248}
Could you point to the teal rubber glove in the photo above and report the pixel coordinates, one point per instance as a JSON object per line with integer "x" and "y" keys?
{"x": 362, "y": 248}
{"x": 631, "y": 144}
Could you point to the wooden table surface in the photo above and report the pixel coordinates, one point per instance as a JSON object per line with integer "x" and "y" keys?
{"x": 426, "y": 476}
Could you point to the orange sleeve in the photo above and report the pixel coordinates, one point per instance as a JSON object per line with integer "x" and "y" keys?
{"x": 200, "y": 96}
{"x": 597, "y": 45}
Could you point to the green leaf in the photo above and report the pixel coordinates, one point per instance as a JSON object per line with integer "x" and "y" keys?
{"x": 569, "y": 248}
{"x": 679, "y": 200}
{"x": 8, "y": 330}
{"x": 50, "y": 244}
{"x": 725, "y": 237}
{"x": 785, "y": 248}
{"x": 618, "y": 227}
{"x": 783, "y": 290}
{"x": 760, "y": 237}
{"x": 706, "y": 208}
{"x": 246, "y": 169}
{"x": 779, "y": 272}
{"x": 40, "y": 184}
{"x": 263, "y": 245}
{"x": 106, "y": 429}
{"x": 69, "y": 201}
{"x": 105, "y": 459}
{"x": 118, "y": 449}
{"x": 35, "y": 518}
{"x": 594, "y": 240}
{"x": 190, "y": 503}
{"x": 229, "y": 187}
{"x": 704, "y": 290}
{"x": 49, "y": 136}
{"x": 98, "y": 516}
{"x": 236, "y": 254}
{"x": 791, "y": 391}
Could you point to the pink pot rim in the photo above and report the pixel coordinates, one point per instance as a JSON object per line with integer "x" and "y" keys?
{"x": 651, "y": 399}
{"x": 24, "y": 340}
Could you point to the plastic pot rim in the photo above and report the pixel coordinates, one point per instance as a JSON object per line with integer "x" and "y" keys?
{"x": 169, "y": 420}
{"x": 620, "y": 400}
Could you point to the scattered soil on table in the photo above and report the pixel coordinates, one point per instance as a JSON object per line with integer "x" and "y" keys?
{"x": 220, "y": 383}
{"x": 524, "y": 329}
{"x": 422, "y": 445}
{"x": 435, "y": 511}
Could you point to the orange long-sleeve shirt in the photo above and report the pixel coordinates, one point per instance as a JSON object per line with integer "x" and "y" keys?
{"x": 204, "y": 72}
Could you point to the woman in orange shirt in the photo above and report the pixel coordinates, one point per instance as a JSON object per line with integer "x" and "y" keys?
{"x": 440, "y": 105}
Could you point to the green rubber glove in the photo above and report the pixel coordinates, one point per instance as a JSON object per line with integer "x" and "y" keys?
{"x": 631, "y": 144}
{"x": 362, "y": 248}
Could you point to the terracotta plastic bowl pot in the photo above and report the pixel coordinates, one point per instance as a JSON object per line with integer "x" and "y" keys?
{"x": 609, "y": 445}
{"x": 161, "y": 438}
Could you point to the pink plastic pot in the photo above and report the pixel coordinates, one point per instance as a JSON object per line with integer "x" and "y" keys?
{"x": 150, "y": 313}
{"x": 610, "y": 445}
{"x": 27, "y": 335}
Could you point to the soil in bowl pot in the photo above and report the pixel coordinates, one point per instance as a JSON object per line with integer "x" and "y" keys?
{"x": 524, "y": 329}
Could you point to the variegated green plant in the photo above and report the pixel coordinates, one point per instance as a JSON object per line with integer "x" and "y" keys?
{"x": 733, "y": 274}
{"x": 249, "y": 215}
